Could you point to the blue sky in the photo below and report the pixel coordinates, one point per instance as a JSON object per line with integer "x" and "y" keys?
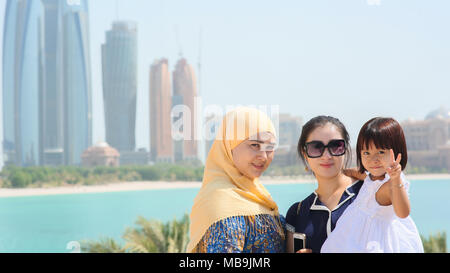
{"x": 344, "y": 58}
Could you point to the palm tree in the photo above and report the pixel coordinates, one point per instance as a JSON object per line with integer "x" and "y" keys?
{"x": 105, "y": 245}
{"x": 435, "y": 243}
{"x": 151, "y": 236}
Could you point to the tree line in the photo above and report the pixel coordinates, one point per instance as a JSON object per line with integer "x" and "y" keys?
{"x": 42, "y": 176}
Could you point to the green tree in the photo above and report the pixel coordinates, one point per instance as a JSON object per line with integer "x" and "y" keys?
{"x": 105, "y": 245}
{"x": 150, "y": 173}
{"x": 151, "y": 236}
{"x": 435, "y": 243}
{"x": 20, "y": 179}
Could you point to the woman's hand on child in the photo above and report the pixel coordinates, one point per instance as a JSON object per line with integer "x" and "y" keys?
{"x": 354, "y": 174}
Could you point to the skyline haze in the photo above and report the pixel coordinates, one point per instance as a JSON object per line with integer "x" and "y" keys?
{"x": 348, "y": 59}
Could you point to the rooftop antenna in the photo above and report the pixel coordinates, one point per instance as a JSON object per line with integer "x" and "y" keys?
{"x": 201, "y": 150}
{"x": 199, "y": 59}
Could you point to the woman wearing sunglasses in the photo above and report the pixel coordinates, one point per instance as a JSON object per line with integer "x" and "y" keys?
{"x": 324, "y": 149}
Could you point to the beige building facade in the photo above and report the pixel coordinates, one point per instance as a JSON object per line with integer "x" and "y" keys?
{"x": 161, "y": 144}
{"x": 428, "y": 140}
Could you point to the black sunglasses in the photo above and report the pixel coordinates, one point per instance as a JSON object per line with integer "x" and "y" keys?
{"x": 315, "y": 149}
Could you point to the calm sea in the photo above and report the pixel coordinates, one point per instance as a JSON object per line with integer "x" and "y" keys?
{"x": 51, "y": 223}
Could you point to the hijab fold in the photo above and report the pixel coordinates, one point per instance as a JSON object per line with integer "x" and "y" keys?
{"x": 226, "y": 192}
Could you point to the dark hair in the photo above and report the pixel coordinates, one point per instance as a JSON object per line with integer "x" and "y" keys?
{"x": 321, "y": 121}
{"x": 384, "y": 133}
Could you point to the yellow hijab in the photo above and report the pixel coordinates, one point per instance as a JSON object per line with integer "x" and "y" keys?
{"x": 225, "y": 192}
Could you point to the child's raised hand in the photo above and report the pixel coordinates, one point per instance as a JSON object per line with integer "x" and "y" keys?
{"x": 393, "y": 167}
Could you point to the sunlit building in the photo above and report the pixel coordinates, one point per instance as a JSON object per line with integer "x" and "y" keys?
{"x": 161, "y": 144}
{"x": 185, "y": 89}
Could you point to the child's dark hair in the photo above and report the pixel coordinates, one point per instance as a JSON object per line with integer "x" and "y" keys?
{"x": 384, "y": 133}
{"x": 320, "y": 121}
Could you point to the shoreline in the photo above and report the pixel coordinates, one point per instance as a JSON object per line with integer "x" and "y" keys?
{"x": 161, "y": 185}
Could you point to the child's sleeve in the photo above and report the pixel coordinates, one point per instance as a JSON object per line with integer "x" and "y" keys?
{"x": 405, "y": 183}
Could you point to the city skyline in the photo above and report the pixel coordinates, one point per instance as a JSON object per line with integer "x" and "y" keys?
{"x": 349, "y": 59}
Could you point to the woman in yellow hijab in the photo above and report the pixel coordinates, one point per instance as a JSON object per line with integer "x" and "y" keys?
{"x": 233, "y": 212}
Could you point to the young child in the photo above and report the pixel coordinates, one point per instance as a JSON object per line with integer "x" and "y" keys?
{"x": 378, "y": 220}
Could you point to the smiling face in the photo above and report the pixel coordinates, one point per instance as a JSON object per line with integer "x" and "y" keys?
{"x": 254, "y": 155}
{"x": 326, "y": 166}
{"x": 374, "y": 159}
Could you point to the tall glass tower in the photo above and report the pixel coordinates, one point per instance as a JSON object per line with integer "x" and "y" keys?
{"x": 22, "y": 82}
{"x": 119, "y": 59}
{"x": 52, "y": 115}
{"x": 77, "y": 80}
{"x": 46, "y": 82}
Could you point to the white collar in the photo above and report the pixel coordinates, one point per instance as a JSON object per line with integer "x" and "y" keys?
{"x": 314, "y": 206}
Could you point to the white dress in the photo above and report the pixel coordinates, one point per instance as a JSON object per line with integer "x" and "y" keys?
{"x": 366, "y": 226}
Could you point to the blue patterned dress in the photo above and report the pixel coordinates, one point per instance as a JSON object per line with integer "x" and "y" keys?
{"x": 244, "y": 234}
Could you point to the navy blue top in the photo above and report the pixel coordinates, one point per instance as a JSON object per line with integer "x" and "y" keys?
{"x": 314, "y": 219}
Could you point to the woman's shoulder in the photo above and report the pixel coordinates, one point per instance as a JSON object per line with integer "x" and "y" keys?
{"x": 294, "y": 209}
{"x": 355, "y": 186}
{"x": 243, "y": 220}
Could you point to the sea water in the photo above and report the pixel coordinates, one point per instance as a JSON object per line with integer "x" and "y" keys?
{"x": 56, "y": 223}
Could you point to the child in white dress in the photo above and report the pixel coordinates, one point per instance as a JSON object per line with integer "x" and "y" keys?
{"x": 378, "y": 220}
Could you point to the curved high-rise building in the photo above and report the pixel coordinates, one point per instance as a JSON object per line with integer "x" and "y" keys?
{"x": 185, "y": 90}
{"x": 77, "y": 84}
{"x": 161, "y": 145}
{"x": 52, "y": 96}
{"x": 119, "y": 68}
{"x": 22, "y": 82}
{"x": 46, "y": 82}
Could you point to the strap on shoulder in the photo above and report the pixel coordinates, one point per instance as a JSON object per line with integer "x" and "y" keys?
{"x": 298, "y": 207}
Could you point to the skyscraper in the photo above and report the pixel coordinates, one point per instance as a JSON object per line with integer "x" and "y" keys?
{"x": 161, "y": 144}
{"x": 22, "y": 82}
{"x": 77, "y": 80}
{"x": 52, "y": 99}
{"x": 47, "y": 82}
{"x": 185, "y": 87}
{"x": 119, "y": 59}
